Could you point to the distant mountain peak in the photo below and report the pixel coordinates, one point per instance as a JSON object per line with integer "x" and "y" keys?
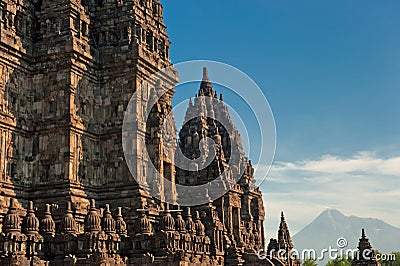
{"x": 332, "y": 224}
{"x": 333, "y": 212}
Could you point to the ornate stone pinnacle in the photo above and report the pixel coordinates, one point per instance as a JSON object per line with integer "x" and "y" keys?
{"x": 205, "y": 74}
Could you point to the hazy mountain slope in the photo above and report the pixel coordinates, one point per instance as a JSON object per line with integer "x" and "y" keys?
{"x": 332, "y": 224}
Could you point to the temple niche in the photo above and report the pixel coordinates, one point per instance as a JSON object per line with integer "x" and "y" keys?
{"x": 68, "y": 70}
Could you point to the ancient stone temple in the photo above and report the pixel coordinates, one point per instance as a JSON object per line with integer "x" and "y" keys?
{"x": 283, "y": 243}
{"x": 366, "y": 256}
{"x": 67, "y": 72}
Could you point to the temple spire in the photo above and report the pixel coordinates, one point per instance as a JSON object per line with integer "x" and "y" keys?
{"x": 284, "y": 238}
{"x": 205, "y": 74}
{"x": 206, "y": 88}
{"x": 283, "y": 225}
{"x": 365, "y": 255}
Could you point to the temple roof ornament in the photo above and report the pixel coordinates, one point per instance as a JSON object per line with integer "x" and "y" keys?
{"x": 190, "y": 225}
{"x": 109, "y": 224}
{"x": 200, "y": 229}
{"x": 47, "y": 224}
{"x": 284, "y": 238}
{"x": 93, "y": 219}
{"x": 180, "y": 224}
{"x": 167, "y": 221}
{"x": 31, "y": 223}
{"x": 120, "y": 224}
{"x": 144, "y": 224}
{"x": 68, "y": 223}
{"x": 366, "y": 254}
{"x": 11, "y": 221}
{"x": 206, "y": 88}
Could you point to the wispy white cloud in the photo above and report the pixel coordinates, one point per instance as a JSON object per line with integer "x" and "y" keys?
{"x": 363, "y": 162}
{"x": 364, "y": 184}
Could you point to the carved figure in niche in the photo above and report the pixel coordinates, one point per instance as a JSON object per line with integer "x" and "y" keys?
{"x": 48, "y": 26}
{"x": 10, "y": 149}
{"x": 129, "y": 34}
{"x": 10, "y": 20}
{"x": 80, "y": 152}
{"x": 138, "y": 33}
{"x": 83, "y": 107}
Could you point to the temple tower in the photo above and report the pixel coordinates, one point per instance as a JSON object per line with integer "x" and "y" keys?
{"x": 241, "y": 209}
{"x": 16, "y": 143}
{"x": 68, "y": 70}
{"x": 365, "y": 255}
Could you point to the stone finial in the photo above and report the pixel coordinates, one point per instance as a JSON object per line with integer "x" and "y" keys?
{"x": 206, "y": 88}
{"x": 199, "y": 226}
{"x": 93, "y": 220}
{"x": 205, "y": 74}
{"x": 31, "y": 223}
{"x": 92, "y": 204}
{"x": 68, "y": 223}
{"x": 144, "y": 224}
{"x": 120, "y": 224}
{"x": 167, "y": 221}
{"x": 11, "y": 221}
{"x": 47, "y": 224}
{"x": 109, "y": 224}
{"x": 190, "y": 225}
{"x": 180, "y": 224}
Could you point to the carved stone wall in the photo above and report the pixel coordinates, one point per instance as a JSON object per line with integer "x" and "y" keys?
{"x": 67, "y": 72}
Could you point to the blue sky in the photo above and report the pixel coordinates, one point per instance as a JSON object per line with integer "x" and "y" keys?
{"x": 330, "y": 71}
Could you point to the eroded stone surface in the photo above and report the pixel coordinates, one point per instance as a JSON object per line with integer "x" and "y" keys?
{"x": 67, "y": 72}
